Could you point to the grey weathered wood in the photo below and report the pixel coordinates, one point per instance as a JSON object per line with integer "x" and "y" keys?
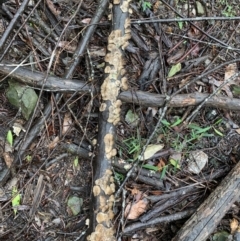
{"x": 209, "y": 214}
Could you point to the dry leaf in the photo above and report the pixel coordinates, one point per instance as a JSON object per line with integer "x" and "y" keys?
{"x": 53, "y": 143}
{"x": 52, "y": 7}
{"x": 134, "y": 191}
{"x": 134, "y": 210}
{"x": 17, "y": 128}
{"x": 231, "y": 69}
{"x": 8, "y": 159}
{"x": 153, "y": 110}
{"x": 150, "y": 151}
{"x": 86, "y": 20}
{"x": 218, "y": 83}
{"x": 67, "y": 122}
{"x": 67, "y": 46}
{"x": 161, "y": 164}
{"x": 184, "y": 81}
{"x": 234, "y": 225}
{"x": 238, "y": 130}
{"x": 194, "y": 32}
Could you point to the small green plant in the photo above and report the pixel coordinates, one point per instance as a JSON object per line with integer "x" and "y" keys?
{"x": 133, "y": 145}
{"x": 10, "y": 137}
{"x": 28, "y": 158}
{"x": 16, "y": 198}
{"x": 180, "y": 25}
{"x": 118, "y": 176}
{"x": 174, "y": 164}
{"x": 198, "y": 132}
{"x": 75, "y": 162}
{"x": 145, "y": 5}
{"x": 229, "y": 10}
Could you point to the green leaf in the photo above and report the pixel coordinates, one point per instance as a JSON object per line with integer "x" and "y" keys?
{"x": 16, "y": 199}
{"x": 28, "y": 158}
{"x": 118, "y": 176}
{"x": 23, "y": 97}
{"x": 29, "y": 101}
{"x": 221, "y": 236}
{"x": 180, "y": 25}
{"x": 200, "y": 8}
{"x": 75, "y": 162}
{"x": 146, "y": 5}
{"x": 236, "y": 90}
{"x": 75, "y": 204}
{"x": 150, "y": 167}
{"x": 218, "y": 132}
{"x": 199, "y": 129}
{"x": 174, "y": 163}
{"x": 177, "y": 122}
{"x": 132, "y": 118}
{"x": 175, "y": 69}
{"x": 163, "y": 172}
{"x": 10, "y": 137}
{"x": 203, "y": 130}
{"x": 165, "y": 122}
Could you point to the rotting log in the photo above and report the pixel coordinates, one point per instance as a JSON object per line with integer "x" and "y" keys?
{"x": 209, "y": 214}
{"x": 101, "y": 225}
{"x": 56, "y": 84}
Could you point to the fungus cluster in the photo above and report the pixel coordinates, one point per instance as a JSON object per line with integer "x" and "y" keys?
{"x": 115, "y": 79}
{"x": 104, "y": 189}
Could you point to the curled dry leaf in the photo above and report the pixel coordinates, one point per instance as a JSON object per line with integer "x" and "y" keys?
{"x": 136, "y": 209}
{"x": 17, "y": 128}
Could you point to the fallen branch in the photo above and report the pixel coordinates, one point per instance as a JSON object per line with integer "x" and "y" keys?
{"x": 155, "y": 221}
{"x": 56, "y": 84}
{"x": 101, "y": 225}
{"x": 210, "y": 213}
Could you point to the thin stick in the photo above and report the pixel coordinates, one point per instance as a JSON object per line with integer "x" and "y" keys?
{"x": 182, "y": 19}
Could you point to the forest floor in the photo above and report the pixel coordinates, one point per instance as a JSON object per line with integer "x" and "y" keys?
{"x": 51, "y": 72}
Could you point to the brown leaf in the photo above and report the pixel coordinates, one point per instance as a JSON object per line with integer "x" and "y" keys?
{"x": 161, "y": 164}
{"x": 52, "y": 7}
{"x": 231, "y": 69}
{"x": 194, "y": 32}
{"x": 238, "y": 130}
{"x": 134, "y": 210}
{"x": 67, "y": 122}
{"x": 218, "y": 83}
{"x": 53, "y": 143}
{"x": 8, "y": 159}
